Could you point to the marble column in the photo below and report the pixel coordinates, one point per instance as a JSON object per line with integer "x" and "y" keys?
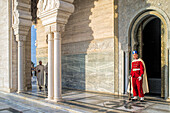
{"x": 57, "y": 67}
{"x": 20, "y": 66}
{"x": 126, "y": 70}
{"x": 50, "y": 66}
{"x": 169, "y": 72}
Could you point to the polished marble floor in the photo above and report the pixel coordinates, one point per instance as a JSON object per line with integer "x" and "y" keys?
{"x": 79, "y": 101}
{"x": 97, "y": 102}
{"x": 9, "y": 104}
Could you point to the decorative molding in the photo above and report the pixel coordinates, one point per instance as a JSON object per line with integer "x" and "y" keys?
{"x": 54, "y": 14}
{"x": 20, "y": 37}
{"x": 21, "y": 17}
{"x": 57, "y": 28}
{"x": 45, "y": 5}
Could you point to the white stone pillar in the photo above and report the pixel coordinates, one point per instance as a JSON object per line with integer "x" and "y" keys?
{"x": 20, "y": 67}
{"x": 126, "y": 70}
{"x": 50, "y": 67}
{"x": 169, "y": 72}
{"x": 57, "y": 67}
{"x": 21, "y": 25}
{"x": 55, "y": 19}
{"x": 20, "y": 40}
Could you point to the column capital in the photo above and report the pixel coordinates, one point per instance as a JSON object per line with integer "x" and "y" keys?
{"x": 57, "y": 35}
{"x": 58, "y": 27}
{"x": 128, "y": 51}
{"x": 48, "y": 29}
{"x": 50, "y": 36}
{"x": 168, "y": 44}
{"x": 20, "y": 37}
{"x": 126, "y": 47}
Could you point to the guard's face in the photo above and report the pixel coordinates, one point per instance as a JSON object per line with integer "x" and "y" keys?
{"x": 135, "y": 56}
{"x": 40, "y": 63}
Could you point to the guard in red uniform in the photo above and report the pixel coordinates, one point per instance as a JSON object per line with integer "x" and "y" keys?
{"x": 137, "y": 72}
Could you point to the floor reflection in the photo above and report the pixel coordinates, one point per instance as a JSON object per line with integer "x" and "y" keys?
{"x": 95, "y": 102}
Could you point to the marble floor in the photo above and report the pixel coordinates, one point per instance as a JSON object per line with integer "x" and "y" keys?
{"x": 97, "y": 102}
{"x": 10, "y": 104}
{"x": 78, "y": 101}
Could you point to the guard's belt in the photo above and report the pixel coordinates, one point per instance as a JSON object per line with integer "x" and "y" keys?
{"x": 136, "y": 69}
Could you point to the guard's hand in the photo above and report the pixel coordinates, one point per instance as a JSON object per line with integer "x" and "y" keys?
{"x": 129, "y": 76}
{"x": 140, "y": 78}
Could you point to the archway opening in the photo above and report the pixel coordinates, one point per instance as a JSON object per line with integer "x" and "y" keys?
{"x": 148, "y": 39}
{"x": 151, "y": 54}
{"x": 140, "y": 40}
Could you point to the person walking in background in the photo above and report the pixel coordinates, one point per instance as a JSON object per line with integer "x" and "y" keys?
{"x": 40, "y": 74}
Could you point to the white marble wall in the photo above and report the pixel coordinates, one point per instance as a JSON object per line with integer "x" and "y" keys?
{"x": 88, "y": 47}
{"x": 4, "y": 79}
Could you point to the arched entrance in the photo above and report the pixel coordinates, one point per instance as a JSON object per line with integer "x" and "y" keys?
{"x": 151, "y": 53}
{"x": 148, "y": 35}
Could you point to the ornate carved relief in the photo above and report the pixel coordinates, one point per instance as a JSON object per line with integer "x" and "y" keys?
{"x": 15, "y": 13}
{"x": 45, "y": 5}
{"x": 55, "y": 12}
{"x": 21, "y": 17}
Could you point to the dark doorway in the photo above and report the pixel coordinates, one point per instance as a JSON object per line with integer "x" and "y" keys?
{"x": 152, "y": 54}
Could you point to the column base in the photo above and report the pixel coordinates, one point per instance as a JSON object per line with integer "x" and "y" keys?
{"x": 49, "y": 98}
{"x": 21, "y": 91}
{"x": 54, "y": 100}
{"x": 58, "y": 99}
{"x": 168, "y": 100}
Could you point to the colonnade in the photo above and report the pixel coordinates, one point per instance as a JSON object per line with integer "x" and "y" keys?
{"x": 54, "y": 66}
{"x": 54, "y": 19}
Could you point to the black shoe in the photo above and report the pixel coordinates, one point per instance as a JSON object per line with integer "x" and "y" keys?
{"x": 134, "y": 99}
{"x": 142, "y": 101}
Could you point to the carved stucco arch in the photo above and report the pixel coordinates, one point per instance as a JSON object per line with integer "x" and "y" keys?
{"x": 134, "y": 24}
{"x": 142, "y": 15}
